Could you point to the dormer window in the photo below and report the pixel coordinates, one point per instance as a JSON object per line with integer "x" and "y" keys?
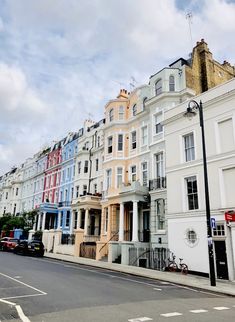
{"x": 111, "y": 115}
{"x": 158, "y": 87}
{"x": 171, "y": 83}
{"x": 134, "y": 110}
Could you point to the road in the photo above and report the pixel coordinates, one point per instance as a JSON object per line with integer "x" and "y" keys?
{"x": 42, "y": 289}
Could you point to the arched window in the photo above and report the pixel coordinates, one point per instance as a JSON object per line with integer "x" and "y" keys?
{"x": 171, "y": 83}
{"x": 121, "y": 113}
{"x": 134, "y": 110}
{"x": 158, "y": 87}
{"x": 144, "y": 101}
{"x": 111, "y": 114}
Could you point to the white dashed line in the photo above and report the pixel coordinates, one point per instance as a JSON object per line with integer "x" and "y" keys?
{"x": 169, "y": 315}
{"x": 143, "y": 319}
{"x": 198, "y": 311}
{"x": 220, "y": 308}
{"x": 157, "y": 289}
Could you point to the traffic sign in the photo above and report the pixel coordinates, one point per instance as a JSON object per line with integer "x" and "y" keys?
{"x": 213, "y": 223}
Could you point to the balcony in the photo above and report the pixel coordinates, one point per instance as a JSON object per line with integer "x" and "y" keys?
{"x": 134, "y": 186}
{"x": 156, "y": 184}
{"x": 64, "y": 204}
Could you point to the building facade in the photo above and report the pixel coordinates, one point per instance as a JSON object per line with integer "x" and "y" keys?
{"x": 186, "y": 216}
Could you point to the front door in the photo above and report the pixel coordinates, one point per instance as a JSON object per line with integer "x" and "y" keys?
{"x": 146, "y": 226}
{"x": 221, "y": 259}
{"x": 92, "y": 224}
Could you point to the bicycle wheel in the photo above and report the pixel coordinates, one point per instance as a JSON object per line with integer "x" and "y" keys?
{"x": 172, "y": 267}
{"x": 184, "y": 269}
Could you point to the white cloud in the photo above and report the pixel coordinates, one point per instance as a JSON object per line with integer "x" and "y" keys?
{"x": 59, "y": 60}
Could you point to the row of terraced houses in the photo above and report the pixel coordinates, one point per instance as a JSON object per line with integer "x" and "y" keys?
{"x": 130, "y": 188}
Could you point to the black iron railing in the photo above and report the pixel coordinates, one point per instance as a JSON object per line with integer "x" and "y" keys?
{"x": 158, "y": 183}
{"x": 67, "y": 239}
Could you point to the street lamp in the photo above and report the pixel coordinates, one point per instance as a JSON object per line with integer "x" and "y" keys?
{"x": 191, "y": 112}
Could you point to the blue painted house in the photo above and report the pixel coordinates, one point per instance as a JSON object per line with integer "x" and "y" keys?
{"x": 69, "y": 151}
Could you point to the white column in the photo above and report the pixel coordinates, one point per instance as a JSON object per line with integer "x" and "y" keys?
{"x": 59, "y": 219}
{"x": 86, "y": 222}
{"x": 71, "y": 222}
{"x": 39, "y": 221}
{"x": 121, "y": 222}
{"x": 135, "y": 222}
{"x": 79, "y": 219}
{"x": 44, "y": 220}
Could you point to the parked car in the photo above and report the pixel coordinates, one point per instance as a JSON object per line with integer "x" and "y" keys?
{"x": 8, "y": 244}
{"x": 33, "y": 247}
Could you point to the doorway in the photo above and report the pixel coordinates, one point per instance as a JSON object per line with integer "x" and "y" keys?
{"x": 221, "y": 259}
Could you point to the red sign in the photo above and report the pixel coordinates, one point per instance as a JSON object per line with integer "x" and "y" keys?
{"x": 230, "y": 216}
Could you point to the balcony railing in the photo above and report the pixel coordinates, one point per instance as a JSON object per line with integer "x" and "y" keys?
{"x": 64, "y": 204}
{"x": 159, "y": 183}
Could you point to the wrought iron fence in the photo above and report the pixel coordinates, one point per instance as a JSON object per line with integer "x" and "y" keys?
{"x": 67, "y": 239}
{"x": 155, "y": 258}
{"x": 159, "y": 183}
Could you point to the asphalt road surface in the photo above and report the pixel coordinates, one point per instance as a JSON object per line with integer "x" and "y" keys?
{"x": 41, "y": 289}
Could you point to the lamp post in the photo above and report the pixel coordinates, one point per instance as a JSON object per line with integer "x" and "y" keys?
{"x": 191, "y": 111}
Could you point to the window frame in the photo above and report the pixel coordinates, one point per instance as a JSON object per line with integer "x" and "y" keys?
{"x": 144, "y": 171}
{"x": 192, "y": 196}
{"x": 111, "y": 115}
{"x": 118, "y": 176}
{"x": 120, "y": 143}
{"x": 158, "y": 127}
{"x": 171, "y": 83}
{"x": 134, "y": 110}
{"x": 133, "y": 173}
{"x": 144, "y": 137}
{"x": 121, "y": 112}
{"x": 189, "y": 151}
{"x": 158, "y": 87}
{"x": 133, "y": 140}
{"x": 110, "y": 144}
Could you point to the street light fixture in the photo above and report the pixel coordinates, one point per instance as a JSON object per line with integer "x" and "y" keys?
{"x": 193, "y": 106}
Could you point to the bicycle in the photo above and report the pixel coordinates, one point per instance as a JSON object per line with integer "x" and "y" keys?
{"x": 173, "y": 267}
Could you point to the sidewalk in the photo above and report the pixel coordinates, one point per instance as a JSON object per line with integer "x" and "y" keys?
{"x": 223, "y": 287}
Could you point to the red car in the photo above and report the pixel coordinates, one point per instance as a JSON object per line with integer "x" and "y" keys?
{"x": 8, "y": 244}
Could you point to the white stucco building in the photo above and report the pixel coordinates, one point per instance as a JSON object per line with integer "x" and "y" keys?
{"x": 187, "y": 230}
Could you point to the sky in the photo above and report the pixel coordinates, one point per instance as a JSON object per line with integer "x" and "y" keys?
{"x": 62, "y": 60}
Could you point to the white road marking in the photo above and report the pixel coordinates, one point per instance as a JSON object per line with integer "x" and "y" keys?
{"x": 143, "y": 319}
{"x": 169, "y": 315}
{"x": 157, "y": 289}
{"x": 7, "y": 302}
{"x": 17, "y": 276}
{"x": 27, "y": 285}
{"x": 166, "y": 283}
{"x": 21, "y": 314}
{"x": 21, "y": 296}
{"x": 220, "y": 308}
{"x": 19, "y": 310}
{"x": 198, "y": 311}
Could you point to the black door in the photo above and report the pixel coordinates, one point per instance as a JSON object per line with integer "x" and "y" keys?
{"x": 92, "y": 224}
{"x": 146, "y": 226}
{"x": 221, "y": 259}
